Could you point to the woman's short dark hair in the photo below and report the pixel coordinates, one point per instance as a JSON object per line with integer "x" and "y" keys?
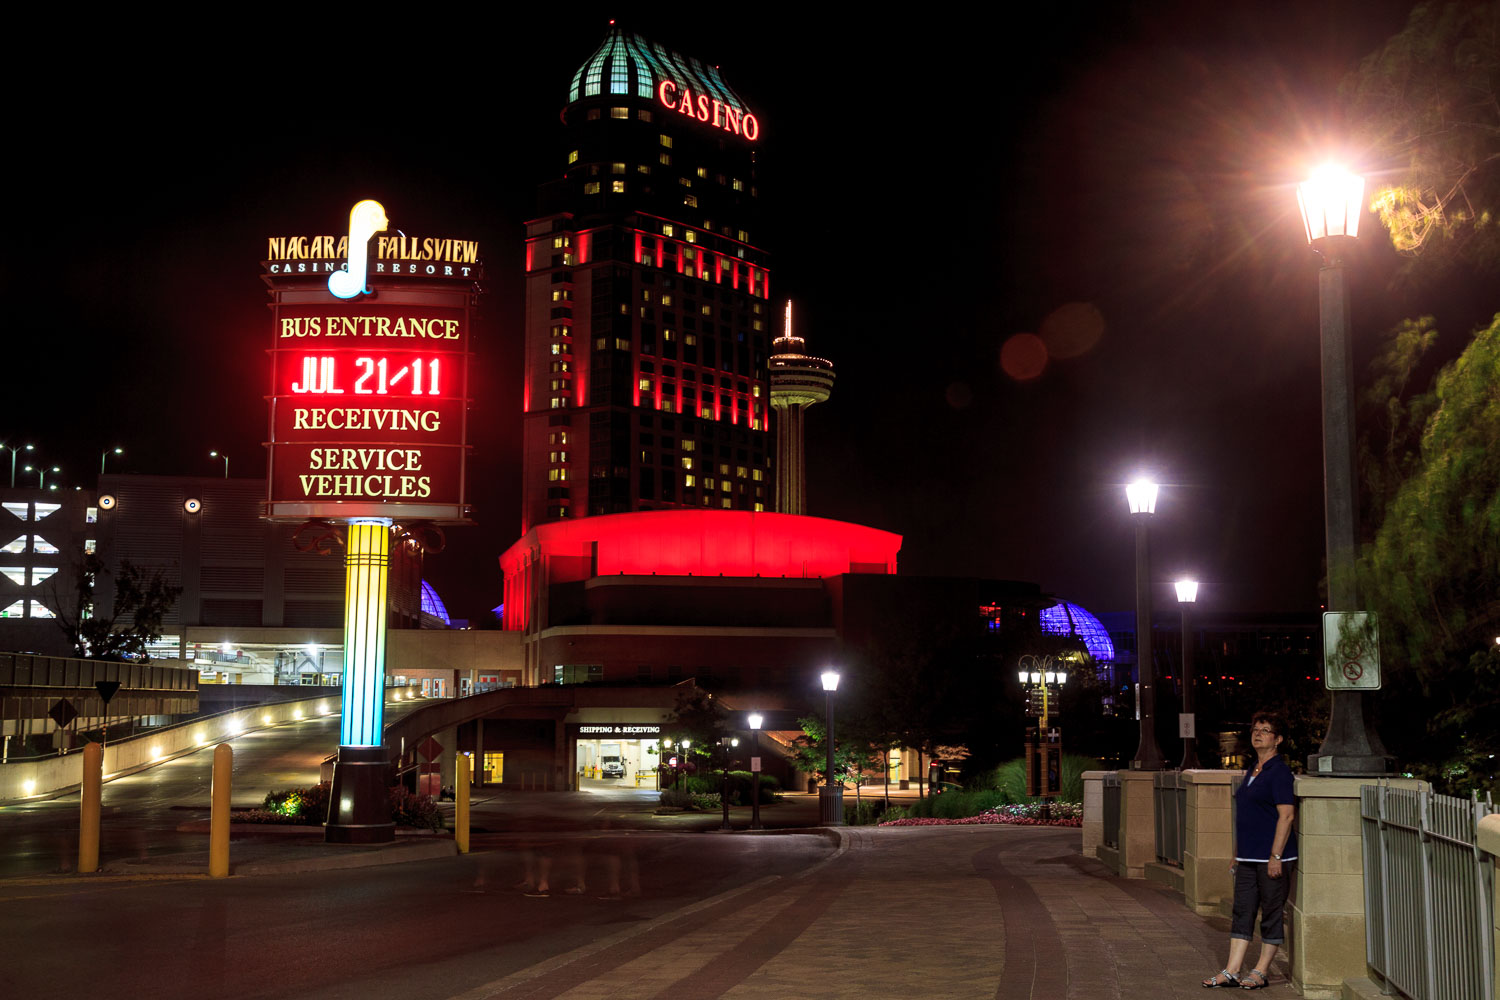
{"x": 1271, "y": 719}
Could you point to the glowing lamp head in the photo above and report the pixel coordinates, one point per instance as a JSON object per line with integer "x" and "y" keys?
{"x": 1331, "y": 201}
{"x": 1024, "y": 675}
{"x": 1062, "y": 677}
{"x": 1141, "y": 495}
{"x": 1187, "y": 591}
{"x": 755, "y": 720}
{"x": 685, "y": 744}
{"x": 1036, "y": 677}
{"x": 830, "y": 680}
{"x": 1051, "y": 676}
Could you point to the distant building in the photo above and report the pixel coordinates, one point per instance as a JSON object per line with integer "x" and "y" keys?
{"x": 43, "y": 537}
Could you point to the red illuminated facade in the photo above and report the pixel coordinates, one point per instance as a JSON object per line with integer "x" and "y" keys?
{"x": 647, "y": 313}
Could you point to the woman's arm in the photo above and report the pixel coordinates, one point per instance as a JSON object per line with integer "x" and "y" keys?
{"x": 1284, "y": 817}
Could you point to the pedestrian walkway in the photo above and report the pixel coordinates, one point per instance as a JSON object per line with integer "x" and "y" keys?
{"x": 919, "y": 912}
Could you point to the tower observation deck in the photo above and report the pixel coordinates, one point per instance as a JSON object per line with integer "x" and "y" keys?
{"x": 798, "y": 381}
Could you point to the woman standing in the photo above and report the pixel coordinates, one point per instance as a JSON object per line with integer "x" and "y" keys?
{"x": 1264, "y": 847}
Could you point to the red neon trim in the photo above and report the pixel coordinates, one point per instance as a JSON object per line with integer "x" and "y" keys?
{"x": 765, "y": 285}
{"x": 583, "y": 247}
{"x": 637, "y": 246}
{"x": 530, "y": 247}
{"x": 735, "y": 267}
{"x": 679, "y": 247}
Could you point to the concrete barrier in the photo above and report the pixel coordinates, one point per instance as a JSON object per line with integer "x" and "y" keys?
{"x": 47, "y": 776}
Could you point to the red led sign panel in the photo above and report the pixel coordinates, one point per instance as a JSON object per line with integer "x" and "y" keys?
{"x": 368, "y": 406}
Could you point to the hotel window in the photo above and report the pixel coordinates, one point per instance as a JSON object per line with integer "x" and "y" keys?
{"x": 592, "y": 187}
{"x": 667, "y": 229}
{"x": 708, "y": 484}
{"x": 757, "y": 475}
{"x": 707, "y": 310}
{"x": 88, "y": 546}
{"x": 706, "y": 412}
{"x": 557, "y": 437}
{"x": 755, "y": 390}
{"x": 666, "y": 300}
{"x": 617, "y": 187}
{"x": 691, "y": 201}
{"x": 739, "y": 471}
{"x": 556, "y": 348}
{"x": 559, "y": 402}
{"x": 759, "y": 505}
{"x": 691, "y": 237}
{"x": 702, "y": 172}
{"x": 558, "y": 242}
{"x": 562, "y": 294}
{"x": 726, "y": 503}
{"x": 666, "y": 140}
{"x": 743, "y": 236}
{"x": 642, "y": 168}
{"x": 690, "y": 340}
{"x": 573, "y": 156}
{"x": 737, "y": 184}
{"x": 617, "y": 168}
{"x": 91, "y": 515}
{"x": 645, "y": 385}
{"x": 558, "y": 456}
{"x": 665, "y": 159}
{"x": 724, "y": 470}
{"x": 593, "y": 114}
{"x": 689, "y": 445}
{"x": 643, "y": 115}
{"x": 687, "y": 463}
{"x": 684, "y": 182}
{"x": 619, "y": 112}
{"x": 689, "y": 480}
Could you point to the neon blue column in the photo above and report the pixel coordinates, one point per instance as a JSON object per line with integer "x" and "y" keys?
{"x": 366, "y": 565}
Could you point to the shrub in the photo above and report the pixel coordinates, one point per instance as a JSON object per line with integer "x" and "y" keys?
{"x": 865, "y": 813}
{"x": 298, "y": 805}
{"x": 418, "y": 811}
{"x": 677, "y": 798}
{"x": 712, "y": 783}
{"x": 1010, "y": 778}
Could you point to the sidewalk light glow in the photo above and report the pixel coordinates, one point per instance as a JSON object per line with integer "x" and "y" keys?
{"x": 1141, "y": 495}
{"x": 830, "y": 680}
{"x": 1187, "y": 591}
{"x": 755, "y": 720}
{"x": 1331, "y": 201}
{"x": 366, "y": 561}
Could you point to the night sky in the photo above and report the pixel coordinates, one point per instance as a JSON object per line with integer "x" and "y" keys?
{"x": 1116, "y": 178}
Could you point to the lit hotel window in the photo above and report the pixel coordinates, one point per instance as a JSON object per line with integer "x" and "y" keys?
{"x": 707, "y": 310}
{"x": 708, "y": 483}
{"x": 557, "y": 437}
{"x": 689, "y": 445}
{"x": 88, "y": 546}
{"x": 666, "y": 229}
{"x": 706, "y": 412}
{"x": 684, "y": 182}
{"x": 666, "y": 299}
{"x": 592, "y": 187}
{"x": 665, "y": 159}
{"x": 689, "y": 480}
{"x": 666, "y": 140}
{"x": 642, "y": 168}
{"x": 737, "y": 184}
{"x": 619, "y": 112}
{"x": 689, "y": 339}
{"x": 573, "y": 158}
{"x": 702, "y": 172}
{"x": 691, "y": 201}
{"x": 739, "y": 471}
{"x": 617, "y": 168}
{"x": 687, "y": 463}
{"x": 645, "y": 385}
{"x": 757, "y": 475}
{"x": 691, "y": 237}
{"x": 760, "y": 506}
{"x": 556, "y": 348}
{"x": 618, "y": 187}
{"x": 643, "y": 115}
{"x": 558, "y": 242}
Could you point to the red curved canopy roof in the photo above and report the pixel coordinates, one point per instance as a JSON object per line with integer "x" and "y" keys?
{"x": 706, "y": 543}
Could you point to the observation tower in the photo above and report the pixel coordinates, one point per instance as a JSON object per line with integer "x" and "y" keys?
{"x": 798, "y": 381}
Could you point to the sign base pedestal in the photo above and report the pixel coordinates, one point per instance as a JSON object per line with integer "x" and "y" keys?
{"x": 359, "y": 806}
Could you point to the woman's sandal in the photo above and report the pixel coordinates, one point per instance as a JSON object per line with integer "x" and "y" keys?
{"x": 1230, "y": 980}
{"x": 1248, "y": 985}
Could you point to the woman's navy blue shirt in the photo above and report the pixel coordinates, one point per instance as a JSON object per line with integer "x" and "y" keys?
{"x": 1256, "y": 814}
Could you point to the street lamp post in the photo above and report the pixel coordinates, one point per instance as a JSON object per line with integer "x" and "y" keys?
{"x": 1187, "y": 593}
{"x": 755, "y": 721}
{"x": 41, "y": 474}
{"x": 830, "y": 796}
{"x": 726, "y": 743}
{"x": 1331, "y": 202}
{"x": 1141, "y": 495}
{"x": 220, "y": 454}
{"x": 13, "y": 450}
{"x": 108, "y": 452}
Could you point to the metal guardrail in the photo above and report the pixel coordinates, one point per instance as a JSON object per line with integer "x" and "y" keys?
{"x": 1111, "y": 788}
{"x": 30, "y": 670}
{"x": 1429, "y": 890}
{"x": 1169, "y": 797}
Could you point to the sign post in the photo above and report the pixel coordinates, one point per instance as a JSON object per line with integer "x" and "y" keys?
{"x": 368, "y": 429}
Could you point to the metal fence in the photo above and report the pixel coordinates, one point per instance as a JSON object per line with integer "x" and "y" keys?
{"x": 1428, "y": 894}
{"x": 1169, "y": 796}
{"x": 1111, "y": 786}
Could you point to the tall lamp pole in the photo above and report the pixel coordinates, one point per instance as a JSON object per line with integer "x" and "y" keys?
{"x": 726, "y": 743}
{"x": 1331, "y": 202}
{"x": 13, "y": 450}
{"x": 1141, "y": 495}
{"x": 1187, "y": 593}
{"x": 830, "y": 796}
{"x": 755, "y": 720}
{"x": 105, "y": 455}
{"x": 220, "y": 454}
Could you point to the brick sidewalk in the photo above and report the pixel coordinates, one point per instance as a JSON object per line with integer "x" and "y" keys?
{"x": 956, "y": 911}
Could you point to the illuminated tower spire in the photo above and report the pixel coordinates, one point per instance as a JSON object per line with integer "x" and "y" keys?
{"x": 797, "y": 381}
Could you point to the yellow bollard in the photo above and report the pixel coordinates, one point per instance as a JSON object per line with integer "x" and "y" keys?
{"x": 218, "y": 817}
{"x": 88, "y": 808}
{"x": 461, "y": 806}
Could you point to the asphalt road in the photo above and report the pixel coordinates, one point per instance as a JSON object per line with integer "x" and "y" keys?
{"x": 425, "y": 929}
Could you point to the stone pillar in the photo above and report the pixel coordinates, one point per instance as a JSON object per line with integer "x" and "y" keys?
{"x": 1208, "y": 840}
{"x": 1326, "y": 918}
{"x": 1093, "y": 812}
{"x": 1489, "y": 842}
{"x": 1137, "y": 822}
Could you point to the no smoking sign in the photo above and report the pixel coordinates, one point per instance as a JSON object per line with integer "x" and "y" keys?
{"x": 1351, "y": 651}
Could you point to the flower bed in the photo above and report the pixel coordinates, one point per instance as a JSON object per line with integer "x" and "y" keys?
{"x": 1026, "y": 814}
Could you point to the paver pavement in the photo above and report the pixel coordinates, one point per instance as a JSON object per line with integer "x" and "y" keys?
{"x": 951, "y": 911}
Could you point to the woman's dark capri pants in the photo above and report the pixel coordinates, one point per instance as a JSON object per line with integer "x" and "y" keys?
{"x": 1254, "y": 889}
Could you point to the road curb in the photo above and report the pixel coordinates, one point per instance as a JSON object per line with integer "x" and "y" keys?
{"x": 346, "y": 857}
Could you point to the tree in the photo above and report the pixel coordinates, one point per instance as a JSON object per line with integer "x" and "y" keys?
{"x": 852, "y": 757}
{"x": 142, "y": 601}
{"x": 1429, "y": 100}
{"x": 1432, "y": 572}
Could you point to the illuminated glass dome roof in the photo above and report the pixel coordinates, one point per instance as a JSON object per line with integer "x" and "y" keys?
{"x": 1069, "y": 619}
{"x": 432, "y": 604}
{"x": 630, "y": 65}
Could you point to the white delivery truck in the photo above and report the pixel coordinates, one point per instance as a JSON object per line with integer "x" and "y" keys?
{"x": 611, "y": 764}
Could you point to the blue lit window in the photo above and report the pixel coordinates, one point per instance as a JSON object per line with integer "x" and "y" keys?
{"x": 619, "y": 70}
